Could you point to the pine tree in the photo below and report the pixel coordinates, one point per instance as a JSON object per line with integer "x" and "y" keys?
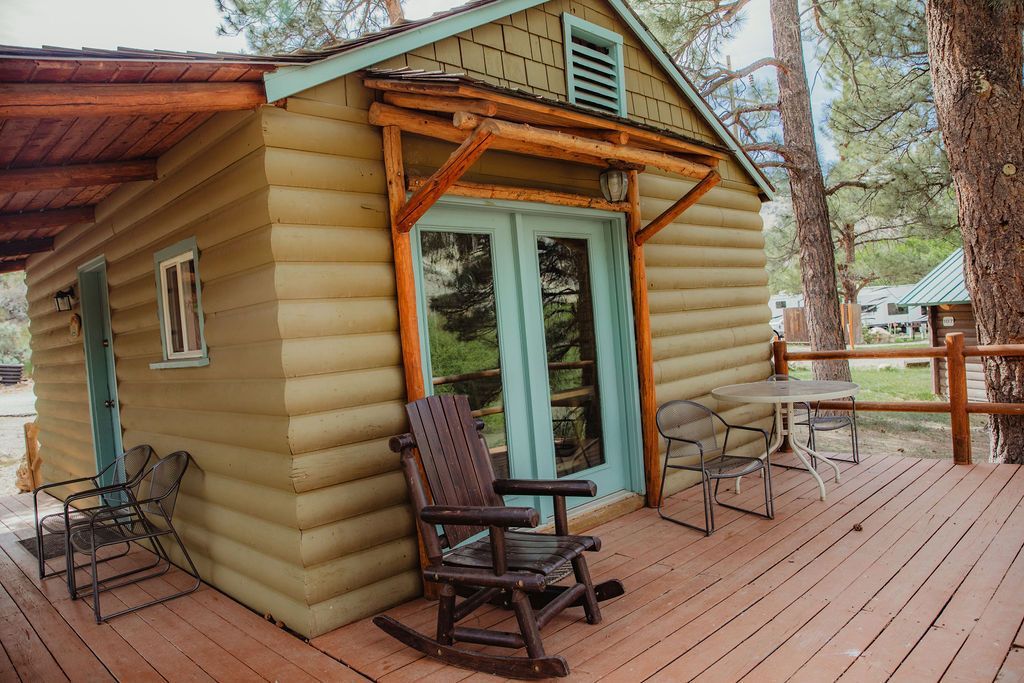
{"x": 273, "y": 26}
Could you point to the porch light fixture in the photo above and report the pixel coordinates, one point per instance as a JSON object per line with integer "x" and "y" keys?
{"x": 615, "y": 184}
{"x": 64, "y": 299}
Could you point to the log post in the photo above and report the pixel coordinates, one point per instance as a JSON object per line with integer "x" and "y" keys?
{"x": 781, "y": 368}
{"x": 959, "y": 420}
{"x": 644, "y": 351}
{"x": 405, "y": 290}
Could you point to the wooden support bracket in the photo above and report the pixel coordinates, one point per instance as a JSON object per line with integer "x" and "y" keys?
{"x": 457, "y": 164}
{"x": 674, "y": 211}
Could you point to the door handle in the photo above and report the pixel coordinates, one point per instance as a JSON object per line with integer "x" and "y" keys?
{"x": 108, "y": 403}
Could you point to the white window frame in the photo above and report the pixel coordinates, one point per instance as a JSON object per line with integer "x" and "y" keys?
{"x": 177, "y": 255}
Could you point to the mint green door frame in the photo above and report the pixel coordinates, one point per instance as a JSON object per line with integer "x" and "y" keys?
{"x": 104, "y": 409}
{"x": 506, "y": 222}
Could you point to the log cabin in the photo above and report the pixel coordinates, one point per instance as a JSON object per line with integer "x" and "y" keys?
{"x": 261, "y": 259}
{"x": 943, "y": 296}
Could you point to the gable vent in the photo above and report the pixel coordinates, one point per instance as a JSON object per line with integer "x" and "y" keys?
{"x": 594, "y": 70}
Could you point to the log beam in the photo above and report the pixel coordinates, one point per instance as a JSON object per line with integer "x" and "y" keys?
{"x": 57, "y": 100}
{"x": 12, "y": 266}
{"x": 522, "y": 133}
{"x": 419, "y": 123}
{"x": 674, "y": 211}
{"x": 511, "y": 106}
{"x": 76, "y": 175}
{"x": 436, "y": 185}
{"x": 39, "y": 220}
{"x": 24, "y": 247}
{"x": 447, "y": 105}
{"x": 464, "y": 188}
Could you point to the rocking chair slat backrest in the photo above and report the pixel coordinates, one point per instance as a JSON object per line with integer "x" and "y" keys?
{"x": 454, "y": 456}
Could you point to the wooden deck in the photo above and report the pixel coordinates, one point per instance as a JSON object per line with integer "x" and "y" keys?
{"x": 911, "y": 571}
{"x": 205, "y": 636}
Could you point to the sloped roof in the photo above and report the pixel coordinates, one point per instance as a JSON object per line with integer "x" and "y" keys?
{"x": 943, "y": 285}
{"x": 343, "y": 58}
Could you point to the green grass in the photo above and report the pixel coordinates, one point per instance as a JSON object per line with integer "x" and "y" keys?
{"x": 888, "y": 384}
{"x": 924, "y": 435}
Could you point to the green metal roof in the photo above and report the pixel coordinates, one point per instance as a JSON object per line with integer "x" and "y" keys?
{"x": 944, "y": 285}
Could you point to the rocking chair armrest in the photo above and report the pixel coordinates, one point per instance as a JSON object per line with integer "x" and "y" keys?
{"x": 545, "y": 487}
{"x": 471, "y": 515}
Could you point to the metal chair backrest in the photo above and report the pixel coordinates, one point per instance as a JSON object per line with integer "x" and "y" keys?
{"x": 454, "y": 457}
{"x": 131, "y": 466}
{"x": 164, "y": 480}
{"x": 690, "y": 426}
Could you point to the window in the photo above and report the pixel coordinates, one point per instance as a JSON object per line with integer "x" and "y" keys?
{"x": 780, "y": 304}
{"x": 896, "y": 309}
{"x": 593, "y": 65}
{"x": 179, "y": 306}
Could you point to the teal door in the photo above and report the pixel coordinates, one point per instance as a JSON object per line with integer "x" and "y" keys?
{"x": 99, "y": 362}
{"x": 528, "y": 313}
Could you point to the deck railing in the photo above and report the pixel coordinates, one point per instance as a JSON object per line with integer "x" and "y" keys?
{"x": 955, "y": 353}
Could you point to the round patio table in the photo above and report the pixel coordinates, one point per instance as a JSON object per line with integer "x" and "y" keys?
{"x": 783, "y": 394}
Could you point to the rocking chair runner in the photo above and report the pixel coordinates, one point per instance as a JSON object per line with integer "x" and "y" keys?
{"x": 514, "y": 569}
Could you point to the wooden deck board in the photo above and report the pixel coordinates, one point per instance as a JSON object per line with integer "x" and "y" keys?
{"x": 927, "y": 588}
{"x": 204, "y": 636}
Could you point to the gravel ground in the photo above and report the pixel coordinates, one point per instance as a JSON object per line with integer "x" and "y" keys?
{"x": 15, "y": 410}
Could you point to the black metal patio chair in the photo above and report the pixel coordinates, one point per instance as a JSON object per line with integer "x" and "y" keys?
{"x": 124, "y": 475}
{"x": 818, "y": 422}
{"x": 691, "y": 428}
{"x": 146, "y": 519}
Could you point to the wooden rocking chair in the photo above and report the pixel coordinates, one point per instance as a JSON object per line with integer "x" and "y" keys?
{"x": 514, "y": 569}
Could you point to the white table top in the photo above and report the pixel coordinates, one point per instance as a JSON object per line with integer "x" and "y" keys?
{"x": 785, "y": 391}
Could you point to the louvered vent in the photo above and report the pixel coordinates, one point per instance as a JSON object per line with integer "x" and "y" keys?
{"x": 594, "y": 66}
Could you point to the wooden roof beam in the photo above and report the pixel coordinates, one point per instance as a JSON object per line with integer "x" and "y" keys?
{"x": 12, "y": 266}
{"x": 471, "y": 149}
{"x": 39, "y": 220}
{"x": 569, "y": 117}
{"x": 447, "y": 105}
{"x": 76, "y": 175}
{"x": 63, "y": 100}
{"x": 24, "y": 247}
{"x": 419, "y": 123}
{"x": 465, "y": 188}
{"x": 674, "y": 211}
{"x": 525, "y": 134}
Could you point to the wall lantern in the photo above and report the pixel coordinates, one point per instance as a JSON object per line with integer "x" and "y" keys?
{"x": 64, "y": 299}
{"x": 615, "y": 184}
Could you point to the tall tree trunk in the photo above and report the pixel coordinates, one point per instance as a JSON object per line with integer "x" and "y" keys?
{"x": 817, "y": 254}
{"x": 847, "y": 278}
{"x": 976, "y": 61}
{"x": 396, "y": 14}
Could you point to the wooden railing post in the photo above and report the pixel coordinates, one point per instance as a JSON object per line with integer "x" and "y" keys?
{"x": 781, "y": 368}
{"x": 959, "y": 420}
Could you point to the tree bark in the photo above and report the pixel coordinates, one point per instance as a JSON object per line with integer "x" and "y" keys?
{"x": 817, "y": 253}
{"x": 396, "y": 14}
{"x": 976, "y": 59}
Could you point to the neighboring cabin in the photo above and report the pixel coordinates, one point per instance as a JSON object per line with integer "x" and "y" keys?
{"x": 943, "y": 295}
{"x": 245, "y": 297}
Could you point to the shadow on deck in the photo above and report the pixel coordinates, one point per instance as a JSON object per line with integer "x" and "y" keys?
{"x": 911, "y": 570}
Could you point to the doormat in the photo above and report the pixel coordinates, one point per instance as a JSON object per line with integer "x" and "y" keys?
{"x": 53, "y": 546}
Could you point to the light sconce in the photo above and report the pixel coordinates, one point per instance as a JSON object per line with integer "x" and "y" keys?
{"x": 615, "y": 184}
{"x": 64, "y": 299}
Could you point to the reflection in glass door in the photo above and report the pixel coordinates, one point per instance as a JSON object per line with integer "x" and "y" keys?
{"x": 465, "y": 357}
{"x": 528, "y": 314}
{"x": 571, "y": 350}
